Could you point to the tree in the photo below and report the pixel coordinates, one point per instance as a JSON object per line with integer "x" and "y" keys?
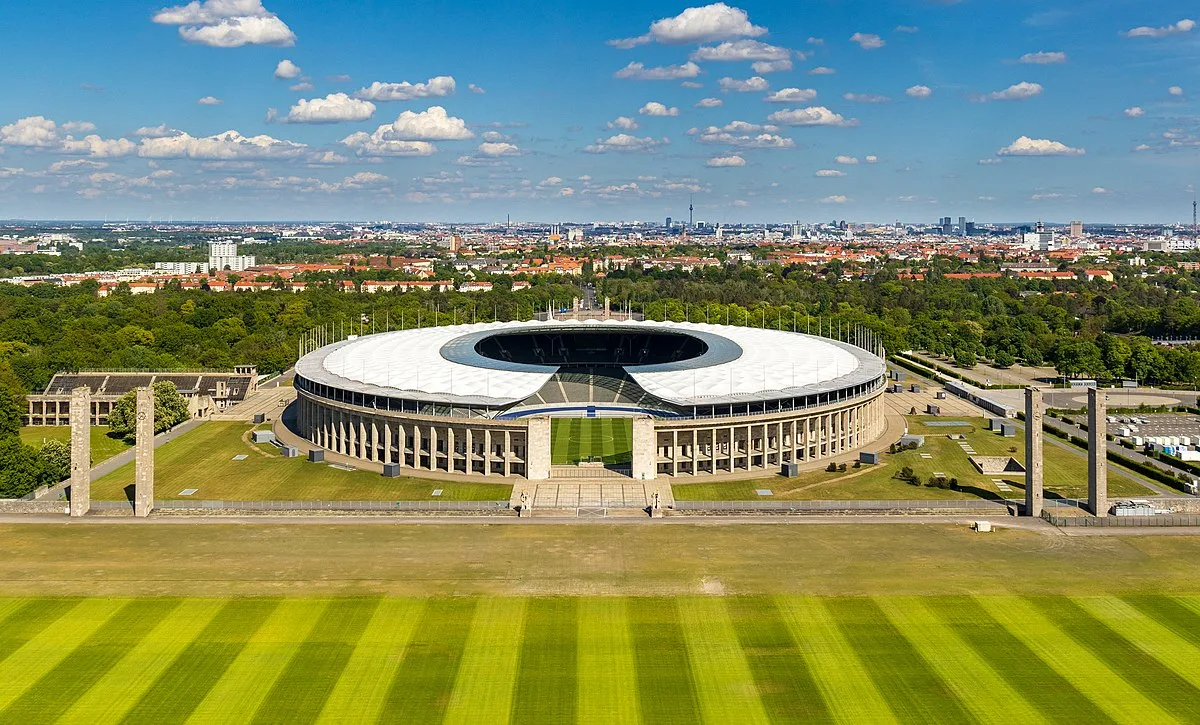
{"x": 11, "y": 410}
{"x": 54, "y": 461}
{"x": 1004, "y": 359}
{"x": 18, "y": 468}
{"x": 964, "y": 358}
{"x": 170, "y": 409}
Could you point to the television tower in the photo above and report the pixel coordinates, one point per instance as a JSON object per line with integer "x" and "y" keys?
{"x": 691, "y": 208}
{"x": 1193, "y": 219}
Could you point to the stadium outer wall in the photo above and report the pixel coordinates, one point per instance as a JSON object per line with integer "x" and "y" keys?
{"x": 747, "y": 445}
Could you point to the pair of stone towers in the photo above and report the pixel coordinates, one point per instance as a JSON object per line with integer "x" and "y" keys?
{"x": 1097, "y": 452}
{"x": 81, "y": 452}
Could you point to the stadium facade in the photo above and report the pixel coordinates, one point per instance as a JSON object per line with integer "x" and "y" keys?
{"x": 478, "y": 399}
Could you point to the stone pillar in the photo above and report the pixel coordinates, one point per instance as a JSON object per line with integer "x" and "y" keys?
{"x": 487, "y": 451}
{"x": 81, "y": 450}
{"x": 1097, "y": 452}
{"x": 645, "y": 444}
{"x": 1033, "y": 451}
{"x": 508, "y": 453}
{"x": 537, "y": 449}
{"x": 143, "y": 477}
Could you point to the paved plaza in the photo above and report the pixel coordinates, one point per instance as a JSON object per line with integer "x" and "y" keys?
{"x": 590, "y": 495}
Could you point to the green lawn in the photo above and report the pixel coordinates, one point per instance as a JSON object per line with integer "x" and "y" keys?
{"x": 604, "y": 660}
{"x": 1065, "y": 472}
{"x": 581, "y": 439}
{"x": 103, "y": 446}
{"x": 203, "y": 459}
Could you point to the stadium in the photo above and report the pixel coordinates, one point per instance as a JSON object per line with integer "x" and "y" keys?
{"x": 576, "y": 398}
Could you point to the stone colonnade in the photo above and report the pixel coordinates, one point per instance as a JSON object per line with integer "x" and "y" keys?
{"x": 730, "y": 445}
{"x": 428, "y": 443}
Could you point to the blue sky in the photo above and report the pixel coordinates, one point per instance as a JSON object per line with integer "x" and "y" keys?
{"x": 763, "y": 111}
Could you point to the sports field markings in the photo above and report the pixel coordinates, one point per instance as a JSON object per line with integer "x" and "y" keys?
{"x": 979, "y": 687}
{"x": 244, "y": 686}
{"x": 49, "y": 696}
{"x": 914, "y": 690}
{"x": 842, "y": 677}
{"x": 51, "y": 645}
{"x": 114, "y": 694}
{"x": 1146, "y": 634}
{"x": 545, "y": 689}
{"x": 1171, "y": 613}
{"x": 783, "y": 679}
{"x": 301, "y": 690}
{"x": 666, "y": 689}
{"x": 1053, "y": 695}
{"x": 607, "y": 672}
{"x": 1121, "y": 700}
{"x": 363, "y": 685}
{"x": 26, "y": 618}
{"x": 1138, "y": 670}
{"x": 724, "y": 684}
{"x": 183, "y": 684}
{"x": 487, "y": 676}
{"x": 422, "y": 685}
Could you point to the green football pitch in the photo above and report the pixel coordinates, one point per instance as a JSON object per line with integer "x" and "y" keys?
{"x": 588, "y": 439}
{"x": 999, "y": 659}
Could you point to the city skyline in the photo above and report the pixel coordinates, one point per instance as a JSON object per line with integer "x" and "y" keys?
{"x": 243, "y": 109}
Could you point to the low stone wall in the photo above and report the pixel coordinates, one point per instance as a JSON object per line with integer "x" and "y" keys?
{"x": 19, "y": 506}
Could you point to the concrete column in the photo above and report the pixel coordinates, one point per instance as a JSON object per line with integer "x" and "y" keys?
{"x": 675, "y": 453}
{"x": 81, "y": 450}
{"x": 1033, "y": 451}
{"x": 143, "y": 479}
{"x": 1097, "y": 452}
{"x": 470, "y": 451}
{"x": 450, "y": 450}
{"x": 487, "y": 451}
{"x": 537, "y": 448}
{"x": 387, "y": 443}
{"x": 508, "y": 453}
{"x": 433, "y": 440}
{"x": 645, "y": 442}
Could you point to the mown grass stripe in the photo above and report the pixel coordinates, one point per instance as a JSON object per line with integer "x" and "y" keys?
{"x": 251, "y": 676}
{"x": 1073, "y": 661}
{"x": 561, "y": 435}
{"x": 27, "y": 619}
{"x": 421, "y": 688}
{"x": 545, "y": 686}
{"x": 607, "y": 672}
{"x": 1053, "y": 695}
{"x": 724, "y": 684}
{"x": 976, "y": 684}
{"x": 51, "y": 645}
{"x": 47, "y": 698}
{"x": 1170, "y": 613}
{"x": 666, "y": 689}
{"x": 360, "y": 692}
{"x": 913, "y": 689}
{"x": 124, "y": 684}
{"x": 483, "y": 691}
{"x": 574, "y": 446}
{"x": 300, "y": 692}
{"x": 1143, "y": 672}
{"x": 180, "y": 687}
{"x": 8, "y": 607}
{"x": 1146, "y": 634}
{"x": 784, "y": 681}
{"x": 841, "y": 676}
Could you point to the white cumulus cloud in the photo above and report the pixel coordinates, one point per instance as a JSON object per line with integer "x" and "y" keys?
{"x": 639, "y": 72}
{"x": 496, "y": 150}
{"x": 1044, "y": 57}
{"x": 868, "y": 41}
{"x": 624, "y": 123}
{"x": 725, "y": 161}
{"x": 1025, "y": 146}
{"x": 1017, "y": 92}
{"x": 1134, "y": 112}
{"x": 845, "y": 160}
{"x": 625, "y": 143}
{"x": 227, "y": 23}
{"x": 437, "y": 87}
{"x": 865, "y": 98}
{"x": 749, "y": 85}
{"x": 33, "y": 131}
{"x": 709, "y": 103}
{"x": 222, "y": 146}
{"x": 918, "y": 92}
{"x": 835, "y": 199}
{"x": 209, "y": 101}
{"x": 654, "y": 108}
{"x": 1175, "y": 91}
{"x": 1145, "y": 31}
{"x": 822, "y": 71}
{"x": 287, "y": 70}
{"x": 740, "y": 50}
{"x": 829, "y": 173}
{"x": 791, "y": 95}
{"x": 697, "y": 25}
{"x": 811, "y": 116}
{"x": 334, "y": 108}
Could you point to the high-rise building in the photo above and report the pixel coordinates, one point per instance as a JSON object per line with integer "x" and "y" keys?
{"x": 668, "y": 224}
{"x": 223, "y": 255}
{"x": 1076, "y": 230}
{"x": 946, "y": 225}
{"x": 962, "y": 226}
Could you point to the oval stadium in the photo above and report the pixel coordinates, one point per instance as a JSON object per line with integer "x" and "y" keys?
{"x": 548, "y": 398}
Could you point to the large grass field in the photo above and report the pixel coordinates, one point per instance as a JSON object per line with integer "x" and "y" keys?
{"x": 103, "y": 445}
{"x": 203, "y": 459}
{"x": 1065, "y": 472}
{"x": 584, "y": 439}
{"x": 998, "y": 659}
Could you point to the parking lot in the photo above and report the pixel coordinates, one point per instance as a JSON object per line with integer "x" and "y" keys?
{"x": 1158, "y": 424}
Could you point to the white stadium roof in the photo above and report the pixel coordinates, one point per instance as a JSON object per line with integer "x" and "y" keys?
{"x": 439, "y": 364}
